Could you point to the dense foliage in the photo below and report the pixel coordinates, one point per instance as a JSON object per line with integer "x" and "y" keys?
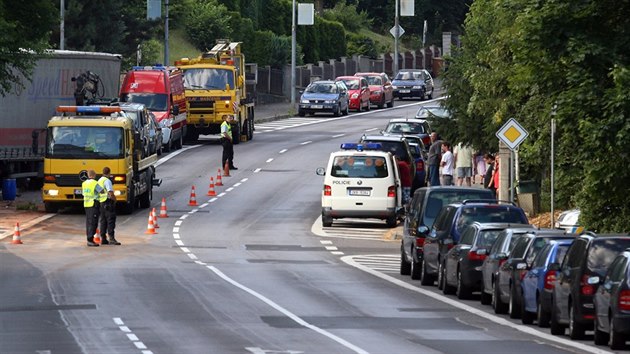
{"x": 520, "y": 59}
{"x": 18, "y": 35}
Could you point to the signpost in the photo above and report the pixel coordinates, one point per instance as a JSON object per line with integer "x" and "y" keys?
{"x": 512, "y": 134}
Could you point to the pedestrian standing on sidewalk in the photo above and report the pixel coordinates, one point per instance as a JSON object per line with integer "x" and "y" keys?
{"x": 434, "y": 160}
{"x": 463, "y": 154}
{"x": 107, "y": 199}
{"x": 488, "y": 181}
{"x": 447, "y": 163}
{"x": 228, "y": 143}
{"x": 91, "y": 190}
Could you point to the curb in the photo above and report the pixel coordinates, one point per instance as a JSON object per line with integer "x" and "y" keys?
{"x": 27, "y": 225}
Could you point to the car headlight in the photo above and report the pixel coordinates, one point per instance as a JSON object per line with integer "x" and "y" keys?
{"x": 354, "y": 95}
{"x": 417, "y": 87}
{"x": 376, "y": 92}
{"x": 394, "y": 87}
{"x": 330, "y": 101}
{"x": 304, "y": 101}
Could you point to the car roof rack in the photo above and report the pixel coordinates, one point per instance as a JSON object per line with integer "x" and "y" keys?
{"x": 487, "y": 201}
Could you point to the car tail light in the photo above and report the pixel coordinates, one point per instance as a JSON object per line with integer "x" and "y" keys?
{"x": 391, "y": 192}
{"x": 624, "y": 300}
{"x": 420, "y": 241}
{"x": 474, "y": 256}
{"x": 426, "y": 140}
{"x": 327, "y": 190}
{"x": 585, "y": 287}
{"x": 550, "y": 279}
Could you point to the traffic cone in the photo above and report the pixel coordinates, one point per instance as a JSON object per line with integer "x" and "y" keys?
{"x": 97, "y": 237}
{"x": 219, "y": 180}
{"x": 226, "y": 169}
{"x": 193, "y": 197}
{"x": 17, "y": 240}
{"x": 163, "y": 213}
{"x": 155, "y": 221}
{"x": 150, "y": 225}
{"x": 211, "y": 192}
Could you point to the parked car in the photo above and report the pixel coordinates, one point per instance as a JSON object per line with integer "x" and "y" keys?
{"x": 461, "y": 264}
{"x": 397, "y": 145}
{"x": 572, "y": 300}
{"x": 413, "y": 83}
{"x": 538, "y": 283}
{"x": 381, "y": 91}
{"x": 453, "y": 220}
{"x": 139, "y": 113}
{"x": 410, "y": 126}
{"x": 496, "y": 257}
{"x": 156, "y": 139}
{"x": 612, "y": 303}
{"x": 358, "y": 90}
{"x": 507, "y": 284}
{"x": 568, "y": 220}
{"x": 425, "y": 204}
{"x": 324, "y": 96}
{"x": 435, "y": 111}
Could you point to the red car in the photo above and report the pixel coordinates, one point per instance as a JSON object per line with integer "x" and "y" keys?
{"x": 381, "y": 90}
{"x": 358, "y": 90}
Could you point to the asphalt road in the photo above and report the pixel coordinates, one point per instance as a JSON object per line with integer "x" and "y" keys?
{"x": 248, "y": 271}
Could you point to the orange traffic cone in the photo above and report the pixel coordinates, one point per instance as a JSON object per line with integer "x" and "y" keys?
{"x": 17, "y": 240}
{"x": 219, "y": 180}
{"x": 193, "y": 197}
{"x": 151, "y": 225}
{"x": 97, "y": 237}
{"x": 155, "y": 221}
{"x": 211, "y": 192}
{"x": 226, "y": 169}
{"x": 163, "y": 213}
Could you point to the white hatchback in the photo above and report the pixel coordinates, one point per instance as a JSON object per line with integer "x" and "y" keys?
{"x": 361, "y": 182}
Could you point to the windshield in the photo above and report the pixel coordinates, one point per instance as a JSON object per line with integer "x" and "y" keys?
{"x": 322, "y": 88}
{"x": 439, "y": 198}
{"x": 359, "y": 167}
{"x": 603, "y": 252}
{"x": 84, "y": 143}
{"x": 426, "y": 112}
{"x": 352, "y": 84}
{"x": 486, "y": 238}
{"x": 485, "y": 214}
{"x": 208, "y": 79}
{"x": 374, "y": 80}
{"x": 406, "y": 127}
{"x": 154, "y": 101}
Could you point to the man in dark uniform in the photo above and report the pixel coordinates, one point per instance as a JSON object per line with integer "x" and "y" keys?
{"x": 107, "y": 199}
{"x": 91, "y": 190}
{"x": 434, "y": 159}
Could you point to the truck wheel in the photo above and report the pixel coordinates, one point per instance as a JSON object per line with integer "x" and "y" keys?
{"x": 180, "y": 142}
{"x": 130, "y": 204}
{"x": 250, "y": 128}
{"x": 51, "y": 207}
{"x": 236, "y": 133}
{"x": 169, "y": 146}
{"x": 145, "y": 198}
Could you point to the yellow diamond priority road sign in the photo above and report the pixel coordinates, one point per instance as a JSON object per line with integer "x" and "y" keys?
{"x": 512, "y": 134}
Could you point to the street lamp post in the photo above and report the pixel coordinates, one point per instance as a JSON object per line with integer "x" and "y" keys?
{"x": 397, "y": 31}
{"x": 293, "y": 53}
{"x": 554, "y": 109}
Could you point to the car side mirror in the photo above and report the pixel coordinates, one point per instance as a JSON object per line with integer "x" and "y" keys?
{"x": 320, "y": 171}
{"x": 423, "y": 230}
{"x": 593, "y": 280}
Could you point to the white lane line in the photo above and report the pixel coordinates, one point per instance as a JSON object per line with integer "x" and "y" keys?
{"x": 203, "y": 205}
{"x": 175, "y": 229}
{"x": 229, "y": 189}
{"x": 175, "y": 153}
{"x": 257, "y": 170}
{"x": 193, "y": 211}
{"x": 269, "y": 160}
{"x": 287, "y": 313}
{"x": 283, "y": 151}
{"x": 192, "y": 256}
{"x": 501, "y": 321}
{"x": 213, "y": 200}
{"x": 325, "y": 242}
{"x": 124, "y": 329}
{"x": 178, "y": 222}
{"x": 244, "y": 180}
{"x": 337, "y": 253}
{"x": 306, "y": 142}
{"x": 180, "y": 243}
{"x": 184, "y": 249}
{"x": 331, "y": 248}
{"x": 140, "y": 345}
{"x": 338, "y": 135}
{"x": 131, "y": 336}
{"x": 183, "y": 217}
{"x": 371, "y": 129}
{"x": 237, "y": 184}
{"x": 175, "y": 235}
{"x": 221, "y": 194}
{"x": 118, "y": 321}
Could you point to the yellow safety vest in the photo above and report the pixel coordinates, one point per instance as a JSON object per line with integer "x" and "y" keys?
{"x": 89, "y": 192}
{"x": 229, "y": 128}
{"x": 102, "y": 197}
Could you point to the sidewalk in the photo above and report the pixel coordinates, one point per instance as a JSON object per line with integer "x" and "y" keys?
{"x": 28, "y": 209}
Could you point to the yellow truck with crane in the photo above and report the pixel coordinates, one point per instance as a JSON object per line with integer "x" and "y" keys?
{"x": 215, "y": 85}
{"x": 80, "y": 138}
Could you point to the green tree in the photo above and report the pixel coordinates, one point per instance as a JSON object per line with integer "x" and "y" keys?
{"x": 207, "y": 22}
{"x": 24, "y": 28}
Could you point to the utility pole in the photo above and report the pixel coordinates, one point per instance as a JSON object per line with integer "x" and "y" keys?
{"x": 166, "y": 54}
{"x": 293, "y": 53}
{"x": 552, "y": 177}
{"x": 397, "y": 30}
{"x": 62, "y": 26}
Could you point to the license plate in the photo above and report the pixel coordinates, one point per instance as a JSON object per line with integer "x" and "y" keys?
{"x": 317, "y": 106}
{"x": 405, "y": 91}
{"x": 359, "y": 192}
{"x": 78, "y": 191}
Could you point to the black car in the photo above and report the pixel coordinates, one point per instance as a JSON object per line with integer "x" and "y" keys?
{"x": 397, "y": 145}
{"x": 461, "y": 265}
{"x": 324, "y": 96}
{"x": 453, "y": 220}
{"x": 413, "y": 83}
{"x": 496, "y": 257}
{"x": 612, "y": 303}
{"x": 507, "y": 283}
{"x": 572, "y": 300}
{"x": 425, "y": 204}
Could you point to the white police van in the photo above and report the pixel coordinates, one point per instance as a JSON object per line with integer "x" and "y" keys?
{"x": 360, "y": 181}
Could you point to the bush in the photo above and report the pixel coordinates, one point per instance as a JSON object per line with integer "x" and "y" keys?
{"x": 361, "y": 45}
{"x": 348, "y": 15}
{"x": 207, "y": 23}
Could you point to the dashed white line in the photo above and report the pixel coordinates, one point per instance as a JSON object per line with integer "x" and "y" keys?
{"x": 337, "y": 253}
{"x": 237, "y": 184}
{"x": 184, "y": 249}
{"x": 178, "y": 222}
{"x": 179, "y": 242}
{"x": 229, "y": 189}
{"x": 257, "y": 170}
{"x": 306, "y": 142}
{"x": 175, "y": 229}
{"x": 203, "y": 205}
{"x": 325, "y": 242}
{"x": 338, "y": 135}
{"x": 183, "y": 217}
{"x": 371, "y": 129}
{"x": 283, "y": 151}
{"x": 331, "y": 248}
{"x": 131, "y": 336}
{"x": 124, "y": 328}
{"x": 221, "y": 194}
{"x": 269, "y": 160}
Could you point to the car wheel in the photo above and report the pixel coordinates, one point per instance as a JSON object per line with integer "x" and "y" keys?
{"x": 430, "y": 96}
{"x": 576, "y": 330}
{"x": 616, "y": 339}
{"x": 542, "y": 316}
{"x": 462, "y": 292}
{"x": 416, "y": 269}
{"x": 526, "y": 316}
{"x": 425, "y": 278}
{"x": 498, "y": 305}
{"x": 337, "y": 112}
{"x": 440, "y": 279}
{"x": 236, "y": 133}
{"x": 485, "y": 298}
{"x": 392, "y": 221}
{"x": 382, "y": 102}
{"x": 327, "y": 221}
{"x": 599, "y": 337}
{"x": 514, "y": 309}
{"x": 555, "y": 327}
{"x": 405, "y": 264}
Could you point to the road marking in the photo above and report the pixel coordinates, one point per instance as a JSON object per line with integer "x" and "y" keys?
{"x": 269, "y": 160}
{"x": 131, "y": 336}
{"x": 306, "y": 142}
{"x": 175, "y": 153}
{"x": 371, "y": 129}
{"x": 501, "y": 321}
{"x": 331, "y": 248}
{"x": 325, "y": 242}
{"x": 257, "y": 170}
{"x": 338, "y": 135}
{"x": 283, "y": 151}
{"x": 178, "y": 222}
{"x": 175, "y": 229}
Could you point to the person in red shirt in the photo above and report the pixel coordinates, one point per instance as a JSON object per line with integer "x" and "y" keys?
{"x": 405, "y": 180}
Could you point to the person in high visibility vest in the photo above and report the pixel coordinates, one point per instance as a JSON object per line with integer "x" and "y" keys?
{"x": 91, "y": 190}
{"x": 227, "y": 142}
{"x": 107, "y": 199}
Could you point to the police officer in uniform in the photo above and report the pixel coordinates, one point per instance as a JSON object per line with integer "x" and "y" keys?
{"x": 91, "y": 191}
{"x": 226, "y": 140}
{"x": 107, "y": 199}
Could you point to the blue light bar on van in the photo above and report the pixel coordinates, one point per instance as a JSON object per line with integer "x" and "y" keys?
{"x": 361, "y": 147}
{"x": 88, "y": 109}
